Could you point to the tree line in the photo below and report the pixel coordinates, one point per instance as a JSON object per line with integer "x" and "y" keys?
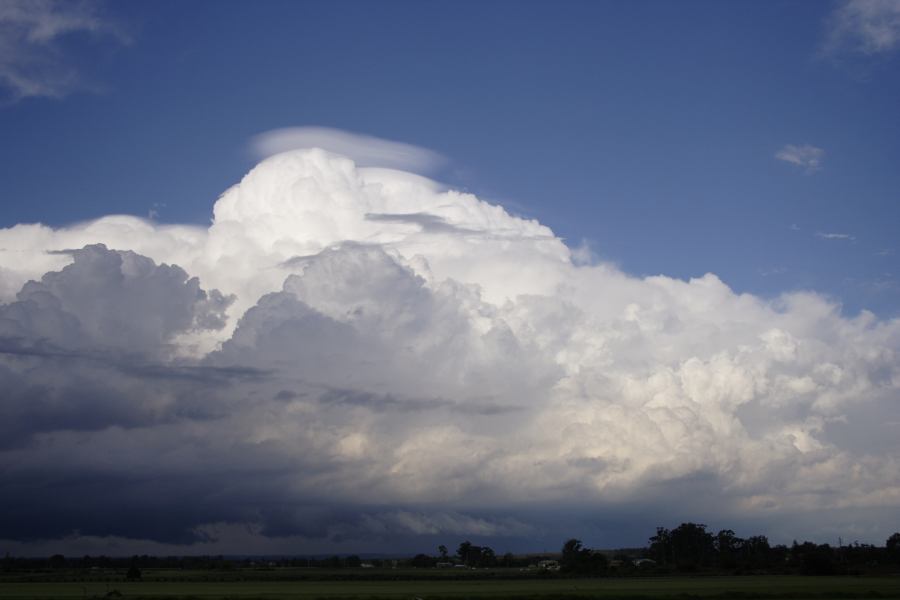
{"x": 688, "y": 548}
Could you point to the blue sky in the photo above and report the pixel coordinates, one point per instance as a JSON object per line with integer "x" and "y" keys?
{"x": 292, "y": 352}
{"x": 648, "y": 130}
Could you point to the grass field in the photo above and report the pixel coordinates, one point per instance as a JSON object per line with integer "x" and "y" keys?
{"x": 677, "y": 588}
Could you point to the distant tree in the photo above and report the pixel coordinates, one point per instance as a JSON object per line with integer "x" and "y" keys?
{"x": 57, "y": 561}
{"x": 353, "y": 561}
{"x": 487, "y": 557}
{"x": 813, "y": 559}
{"x": 728, "y": 547}
{"x": 579, "y": 560}
{"x": 692, "y": 546}
{"x": 463, "y": 551}
{"x": 756, "y": 552}
{"x": 133, "y": 574}
{"x": 442, "y": 551}
{"x": 573, "y": 552}
{"x": 892, "y": 546}
{"x": 860, "y": 555}
{"x": 422, "y": 561}
{"x": 661, "y": 546}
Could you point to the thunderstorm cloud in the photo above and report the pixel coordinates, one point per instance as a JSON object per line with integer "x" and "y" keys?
{"x": 351, "y": 356}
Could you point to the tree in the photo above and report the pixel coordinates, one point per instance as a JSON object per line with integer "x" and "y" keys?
{"x": 813, "y": 559}
{"x": 442, "y": 550}
{"x": 892, "y": 545}
{"x": 579, "y": 560}
{"x": 756, "y": 551}
{"x": 487, "y": 557}
{"x": 353, "y": 561}
{"x": 572, "y": 556}
{"x": 728, "y": 546}
{"x": 661, "y": 546}
{"x": 422, "y": 561}
{"x": 692, "y": 546}
{"x": 133, "y": 573}
{"x": 464, "y": 550}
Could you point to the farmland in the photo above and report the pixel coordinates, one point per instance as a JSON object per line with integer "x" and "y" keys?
{"x": 495, "y": 584}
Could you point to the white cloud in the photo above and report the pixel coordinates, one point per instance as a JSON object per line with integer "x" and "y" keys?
{"x": 366, "y": 151}
{"x": 33, "y": 33}
{"x": 835, "y": 236}
{"x": 866, "y": 27}
{"x": 422, "y": 345}
{"x": 806, "y": 156}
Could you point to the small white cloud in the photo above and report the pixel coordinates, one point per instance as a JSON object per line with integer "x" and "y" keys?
{"x": 806, "y": 156}
{"x": 865, "y": 27}
{"x": 365, "y": 150}
{"x": 835, "y": 236}
{"x": 32, "y": 57}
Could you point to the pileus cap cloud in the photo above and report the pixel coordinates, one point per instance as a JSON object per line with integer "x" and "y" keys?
{"x": 364, "y": 150}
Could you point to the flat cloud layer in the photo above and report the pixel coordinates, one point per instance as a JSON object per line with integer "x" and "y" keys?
{"x": 352, "y": 358}
{"x": 364, "y": 150}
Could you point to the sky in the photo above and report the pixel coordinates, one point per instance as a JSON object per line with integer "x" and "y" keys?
{"x": 302, "y": 277}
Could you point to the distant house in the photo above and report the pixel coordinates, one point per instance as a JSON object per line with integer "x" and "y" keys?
{"x": 549, "y": 565}
{"x": 644, "y": 562}
{"x": 444, "y": 565}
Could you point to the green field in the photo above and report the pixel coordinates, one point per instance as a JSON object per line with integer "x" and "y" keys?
{"x": 677, "y": 588}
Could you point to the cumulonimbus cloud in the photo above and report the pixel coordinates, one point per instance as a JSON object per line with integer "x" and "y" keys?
{"x": 340, "y": 328}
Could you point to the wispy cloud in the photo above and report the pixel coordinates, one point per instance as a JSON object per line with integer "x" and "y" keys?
{"x": 835, "y": 236}
{"x": 33, "y": 60}
{"x": 806, "y": 156}
{"x": 866, "y": 27}
{"x": 777, "y": 270}
{"x": 366, "y": 151}
{"x": 427, "y": 222}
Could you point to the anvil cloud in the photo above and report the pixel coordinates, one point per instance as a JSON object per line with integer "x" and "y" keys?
{"x": 353, "y": 356}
